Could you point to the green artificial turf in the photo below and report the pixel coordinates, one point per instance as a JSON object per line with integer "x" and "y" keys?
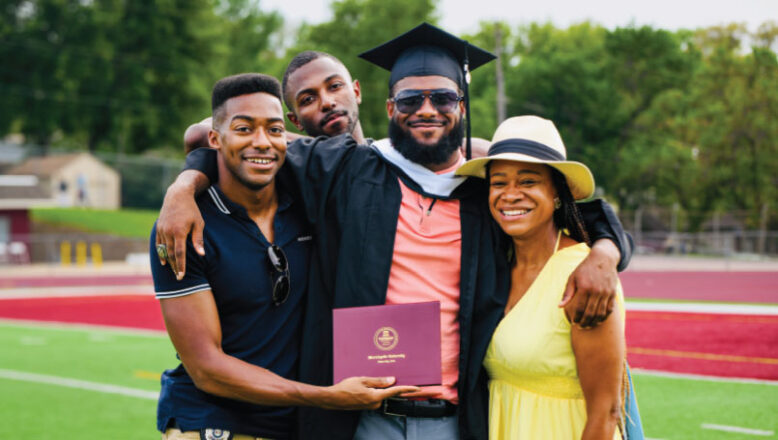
{"x": 129, "y": 359}
{"x": 133, "y": 223}
{"x": 671, "y": 408}
{"x": 41, "y": 412}
{"x": 106, "y": 356}
{"x": 676, "y": 408}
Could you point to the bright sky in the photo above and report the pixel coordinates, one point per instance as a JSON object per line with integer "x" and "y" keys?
{"x": 462, "y": 16}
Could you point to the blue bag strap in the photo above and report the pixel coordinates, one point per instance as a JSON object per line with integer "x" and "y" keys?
{"x": 633, "y": 424}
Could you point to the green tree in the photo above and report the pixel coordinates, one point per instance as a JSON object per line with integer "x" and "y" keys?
{"x": 247, "y": 41}
{"x": 108, "y": 74}
{"x": 483, "y": 87}
{"x": 644, "y": 65}
{"x": 561, "y": 74}
{"x": 739, "y": 97}
{"x": 709, "y": 142}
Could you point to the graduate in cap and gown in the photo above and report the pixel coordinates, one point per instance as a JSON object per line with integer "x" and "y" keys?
{"x": 394, "y": 225}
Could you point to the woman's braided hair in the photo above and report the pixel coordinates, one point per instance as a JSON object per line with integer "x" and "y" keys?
{"x": 568, "y": 217}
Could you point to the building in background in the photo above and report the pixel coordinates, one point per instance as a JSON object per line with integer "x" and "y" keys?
{"x": 66, "y": 180}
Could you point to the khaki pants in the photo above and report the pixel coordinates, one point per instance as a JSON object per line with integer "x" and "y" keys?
{"x": 176, "y": 434}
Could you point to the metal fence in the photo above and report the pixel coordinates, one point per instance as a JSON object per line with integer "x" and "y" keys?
{"x": 764, "y": 243}
{"x": 655, "y": 230}
{"x": 72, "y": 248}
{"x": 75, "y": 248}
{"x": 144, "y": 179}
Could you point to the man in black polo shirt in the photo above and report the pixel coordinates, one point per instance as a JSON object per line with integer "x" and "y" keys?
{"x": 235, "y": 318}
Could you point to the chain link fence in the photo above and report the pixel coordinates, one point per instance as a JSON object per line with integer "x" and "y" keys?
{"x": 144, "y": 179}
{"x": 656, "y": 230}
{"x": 660, "y": 230}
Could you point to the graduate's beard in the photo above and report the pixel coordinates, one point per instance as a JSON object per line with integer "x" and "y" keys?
{"x": 404, "y": 142}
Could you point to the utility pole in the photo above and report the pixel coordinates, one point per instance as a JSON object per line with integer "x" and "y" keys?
{"x": 760, "y": 247}
{"x": 638, "y": 227}
{"x": 499, "y": 79}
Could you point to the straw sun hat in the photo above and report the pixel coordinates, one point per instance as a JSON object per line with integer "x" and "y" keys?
{"x": 536, "y": 140}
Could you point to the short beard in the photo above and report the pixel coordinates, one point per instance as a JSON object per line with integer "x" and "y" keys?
{"x": 439, "y": 153}
{"x": 315, "y": 130}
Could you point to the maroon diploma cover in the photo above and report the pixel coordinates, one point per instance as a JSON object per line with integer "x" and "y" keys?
{"x": 400, "y": 340}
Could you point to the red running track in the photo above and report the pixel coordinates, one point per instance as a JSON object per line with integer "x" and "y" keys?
{"x": 702, "y": 343}
{"x": 74, "y": 281}
{"x": 709, "y": 344}
{"x": 132, "y": 311}
{"x": 758, "y": 287}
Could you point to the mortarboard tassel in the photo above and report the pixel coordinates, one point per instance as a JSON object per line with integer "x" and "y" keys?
{"x": 468, "y": 149}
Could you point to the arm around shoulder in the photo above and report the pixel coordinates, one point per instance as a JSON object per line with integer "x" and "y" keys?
{"x": 602, "y": 223}
{"x": 178, "y": 217}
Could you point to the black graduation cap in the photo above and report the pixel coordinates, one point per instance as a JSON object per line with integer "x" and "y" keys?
{"x": 427, "y": 50}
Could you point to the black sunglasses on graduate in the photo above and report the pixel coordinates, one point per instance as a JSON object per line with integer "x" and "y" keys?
{"x": 409, "y": 101}
{"x": 280, "y": 274}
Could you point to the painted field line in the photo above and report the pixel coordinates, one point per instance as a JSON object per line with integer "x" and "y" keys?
{"x": 725, "y": 309}
{"x": 70, "y": 291}
{"x": 720, "y": 379}
{"x": 56, "y": 325}
{"x": 706, "y": 356}
{"x": 737, "y": 429}
{"x": 78, "y": 384}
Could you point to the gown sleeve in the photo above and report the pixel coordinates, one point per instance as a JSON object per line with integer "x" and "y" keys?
{"x": 203, "y": 160}
{"x": 602, "y": 222}
{"x": 313, "y": 167}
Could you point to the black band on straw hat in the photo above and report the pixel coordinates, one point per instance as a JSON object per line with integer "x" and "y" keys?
{"x": 526, "y": 147}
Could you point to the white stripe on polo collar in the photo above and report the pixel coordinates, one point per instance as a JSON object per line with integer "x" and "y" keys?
{"x": 182, "y": 292}
{"x": 217, "y": 200}
{"x": 439, "y": 185}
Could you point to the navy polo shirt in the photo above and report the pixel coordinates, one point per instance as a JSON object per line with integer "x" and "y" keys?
{"x": 236, "y": 269}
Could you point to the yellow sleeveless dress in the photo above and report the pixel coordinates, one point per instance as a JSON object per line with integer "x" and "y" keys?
{"x": 534, "y": 392}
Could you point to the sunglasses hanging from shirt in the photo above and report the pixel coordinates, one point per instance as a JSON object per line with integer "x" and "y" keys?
{"x": 410, "y": 101}
{"x": 280, "y": 265}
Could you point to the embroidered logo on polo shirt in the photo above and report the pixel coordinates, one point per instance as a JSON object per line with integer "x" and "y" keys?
{"x": 305, "y": 238}
{"x": 215, "y": 434}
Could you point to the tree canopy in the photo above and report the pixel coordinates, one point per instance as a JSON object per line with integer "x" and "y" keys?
{"x": 662, "y": 117}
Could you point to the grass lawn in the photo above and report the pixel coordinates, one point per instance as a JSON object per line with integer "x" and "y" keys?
{"x": 133, "y": 223}
{"x": 41, "y": 412}
{"x": 671, "y": 408}
{"x": 676, "y": 408}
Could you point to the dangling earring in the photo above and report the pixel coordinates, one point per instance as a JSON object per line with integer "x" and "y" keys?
{"x": 557, "y": 203}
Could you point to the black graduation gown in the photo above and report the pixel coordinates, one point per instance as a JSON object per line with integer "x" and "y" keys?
{"x": 352, "y": 197}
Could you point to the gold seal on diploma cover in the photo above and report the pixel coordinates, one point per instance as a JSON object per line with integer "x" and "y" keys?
{"x": 385, "y": 338}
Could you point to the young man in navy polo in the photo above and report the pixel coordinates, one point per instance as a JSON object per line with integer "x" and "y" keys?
{"x": 235, "y": 318}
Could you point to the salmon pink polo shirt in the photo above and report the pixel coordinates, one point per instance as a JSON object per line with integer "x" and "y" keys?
{"x": 425, "y": 267}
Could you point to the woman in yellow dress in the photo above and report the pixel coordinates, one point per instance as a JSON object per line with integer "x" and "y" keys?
{"x": 548, "y": 378}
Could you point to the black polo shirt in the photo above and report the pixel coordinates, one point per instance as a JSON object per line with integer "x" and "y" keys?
{"x": 236, "y": 270}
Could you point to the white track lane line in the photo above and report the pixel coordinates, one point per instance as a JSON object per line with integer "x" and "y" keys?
{"x": 71, "y": 291}
{"x": 721, "y": 379}
{"x": 56, "y": 325}
{"x": 78, "y": 384}
{"x": 737, "y": 429}
{"x": 727, "y": 309}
